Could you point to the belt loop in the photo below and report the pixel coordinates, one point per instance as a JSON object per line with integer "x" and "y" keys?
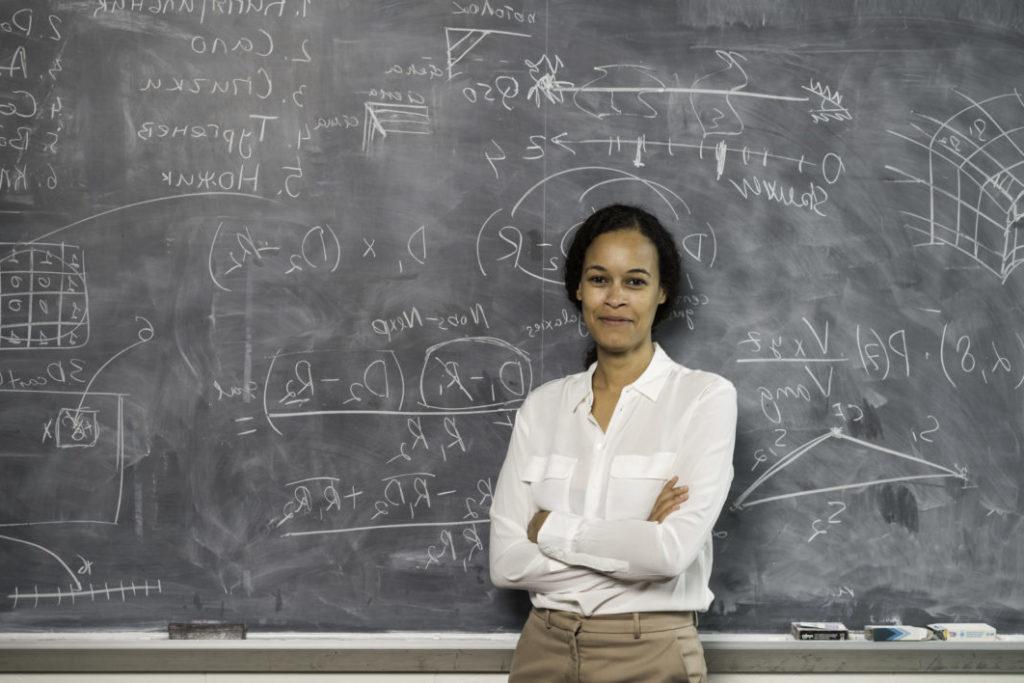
{"x": 636, "y": 626}
{"x": 574, "y": 651}
{"x": 547, "y": 618}
{"x": 695, "y": 622}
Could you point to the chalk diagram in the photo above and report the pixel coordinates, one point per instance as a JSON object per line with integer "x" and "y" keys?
{"x": 381, "y": 119}
{"x": 76, "y": 590}
{"x": 73, "y": 475}
{"x": 67, "y": 461}
{"x": 62, "y": 460}
{"x": 712, "y": 100}
{"x": 44, "y": 302}
{"x": 707, "y": 94}
{"x": 887, "y": 465}
{"x": 460, "y": 41}
{"x": 615, "y": 91}
{"x": 501, "y": 241}
{"x": 62, "y": 463}
{"x": 81, "y": 445}
{"x": 974, "y": 178}
{"x": 68, "y": 472}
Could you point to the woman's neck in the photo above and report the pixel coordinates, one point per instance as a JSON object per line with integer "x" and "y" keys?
{"x": 615, "y": 371}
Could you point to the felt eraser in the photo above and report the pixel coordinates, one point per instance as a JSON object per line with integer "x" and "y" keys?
{"x": 819, "y": 630}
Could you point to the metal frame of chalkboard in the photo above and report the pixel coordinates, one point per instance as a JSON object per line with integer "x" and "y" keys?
{"x": 472, "y": 653}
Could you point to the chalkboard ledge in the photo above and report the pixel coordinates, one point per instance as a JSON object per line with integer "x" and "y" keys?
{"x": 479, "y": 653}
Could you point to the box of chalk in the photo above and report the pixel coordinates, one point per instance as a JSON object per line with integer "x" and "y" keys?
{"x": 894, "y": 632}
{"x": 958, "y": 631}
{"x": 819, "y": 630}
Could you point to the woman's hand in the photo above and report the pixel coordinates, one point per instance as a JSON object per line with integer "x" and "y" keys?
{"x": 669, "y": 500}
{"x": 533, "y": 528}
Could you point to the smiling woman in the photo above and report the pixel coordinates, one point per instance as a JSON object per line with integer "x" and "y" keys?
{"x": 620, "y": 291}
{"x": 642, "y": 248}
{"x": 614, "y": 478}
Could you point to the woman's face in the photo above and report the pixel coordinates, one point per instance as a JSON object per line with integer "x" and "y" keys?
{"x": 620, "y": 290}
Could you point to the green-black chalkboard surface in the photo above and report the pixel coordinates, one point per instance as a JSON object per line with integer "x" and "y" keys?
{"x": 276, "y": 274}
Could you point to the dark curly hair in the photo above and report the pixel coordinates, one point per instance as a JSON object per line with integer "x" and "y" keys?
{"x": 623, "y": 217}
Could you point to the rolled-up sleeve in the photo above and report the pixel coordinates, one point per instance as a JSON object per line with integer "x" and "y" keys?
{"x": 515, "y": 561}
{"x": 634, "y": 549}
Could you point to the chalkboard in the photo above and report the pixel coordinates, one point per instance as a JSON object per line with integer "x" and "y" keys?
{"x": 276, "y": 274}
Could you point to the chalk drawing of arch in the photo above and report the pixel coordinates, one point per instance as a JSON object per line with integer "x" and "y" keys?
{"x": 926, "y": 470}
{"x": 615, "y": 175}
{"x": 503, "y": 224}
{"x": 974, "y": 177}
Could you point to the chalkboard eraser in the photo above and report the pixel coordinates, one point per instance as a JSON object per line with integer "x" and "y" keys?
{"x": 819, "y": 630}
{"x": 206, "y": 630}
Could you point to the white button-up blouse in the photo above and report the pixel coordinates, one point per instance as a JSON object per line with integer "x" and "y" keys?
{"x": 597, "y": 553}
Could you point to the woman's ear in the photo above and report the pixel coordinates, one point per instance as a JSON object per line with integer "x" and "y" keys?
{"x": 662, "y": 297}
{"x": 579, "y": 292}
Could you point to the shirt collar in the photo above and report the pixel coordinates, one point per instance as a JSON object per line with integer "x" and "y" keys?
{"x": 649, "y": 383}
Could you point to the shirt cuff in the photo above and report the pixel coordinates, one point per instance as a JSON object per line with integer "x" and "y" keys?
{"x": 557, "y": 533}
{"x": 557, "y": 539}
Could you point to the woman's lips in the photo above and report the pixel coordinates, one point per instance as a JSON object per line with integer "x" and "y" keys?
{"x": 614, "y": 320}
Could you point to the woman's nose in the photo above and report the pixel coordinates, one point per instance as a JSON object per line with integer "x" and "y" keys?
{"x": 615, "y": 296}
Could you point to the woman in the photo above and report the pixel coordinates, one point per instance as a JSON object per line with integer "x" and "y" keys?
{"x": 589, "y": 513}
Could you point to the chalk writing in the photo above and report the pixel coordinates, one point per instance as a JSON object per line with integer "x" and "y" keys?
{"x": 44, "y": 301}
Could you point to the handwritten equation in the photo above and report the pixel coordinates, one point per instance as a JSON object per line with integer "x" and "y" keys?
{"x": 465, "y": 375}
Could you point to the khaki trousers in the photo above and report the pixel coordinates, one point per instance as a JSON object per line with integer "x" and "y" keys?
{"x": 641, "y": 647}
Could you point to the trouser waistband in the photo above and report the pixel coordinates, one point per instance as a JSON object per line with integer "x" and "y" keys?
{"x": 636, "y": 623}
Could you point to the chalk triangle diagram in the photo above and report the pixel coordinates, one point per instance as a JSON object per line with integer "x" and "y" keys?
{"x": 459, "y": 42}
{"x": 835, "y": 462}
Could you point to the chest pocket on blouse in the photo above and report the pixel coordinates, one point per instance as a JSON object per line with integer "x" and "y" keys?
{"x": 634, "y": 482}
{"x": 549, "y": 479}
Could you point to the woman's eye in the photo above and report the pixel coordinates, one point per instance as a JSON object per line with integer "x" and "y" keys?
{"x": 636, "y": 282}
{"x": 597, "y": 279}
